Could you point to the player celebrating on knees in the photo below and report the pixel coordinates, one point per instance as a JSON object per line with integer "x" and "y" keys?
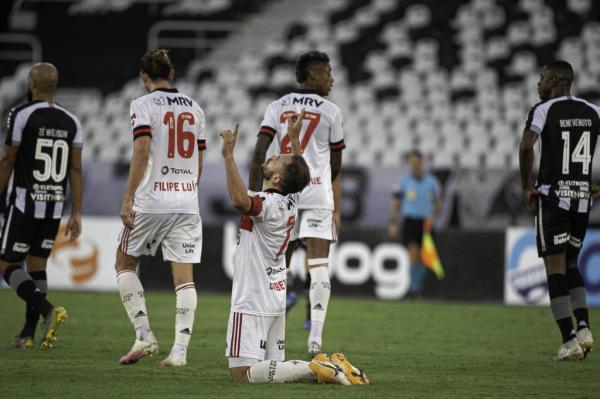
{"x": 321, "y": 143}
{"x": 256, "y": 329}
{"x": 568, "y": 128}
{"x": 42, "y": 151}
{"x": 160, "y": 205}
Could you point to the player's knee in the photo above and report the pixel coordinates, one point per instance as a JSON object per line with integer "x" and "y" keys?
{"x": 125, "y": 262}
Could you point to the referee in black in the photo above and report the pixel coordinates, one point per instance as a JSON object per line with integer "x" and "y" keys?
{"x": 561, "y": 196}
{"x": 42, "y": 151}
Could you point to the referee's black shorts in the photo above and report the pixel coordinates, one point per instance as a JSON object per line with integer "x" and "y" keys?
{"x": 557, "y": 230}
{"x": 412, "y": 231}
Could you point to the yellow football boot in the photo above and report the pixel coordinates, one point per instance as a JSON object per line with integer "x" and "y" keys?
{"x": 353, "y": 374}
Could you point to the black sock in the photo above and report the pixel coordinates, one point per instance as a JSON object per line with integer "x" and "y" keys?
{"x": 560, "y": 302}
{"x": 578, "y": 297}
{"x": 26, "y": 289}
{"x": 31, "y": 315}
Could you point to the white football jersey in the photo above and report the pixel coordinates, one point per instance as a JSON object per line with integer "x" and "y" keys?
{"x": 176, "y": 125}
{"x": 259, "y": 271}
{"x": 321, "y": 131}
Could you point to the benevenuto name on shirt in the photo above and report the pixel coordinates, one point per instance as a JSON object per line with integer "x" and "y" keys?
{"x": 566, "y": 193}
{"x": 575, "y": 123}
{"x": 175, "y": 186}
{"x": 45, "y": 197}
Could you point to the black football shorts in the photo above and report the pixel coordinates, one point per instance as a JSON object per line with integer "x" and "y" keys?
{"x": 412, "y": 231}
{"x": 558, "y": 230}
{"x": 24, "y": 235}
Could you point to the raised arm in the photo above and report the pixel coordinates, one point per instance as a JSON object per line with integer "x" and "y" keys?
{"x": 137, "y": 168}
{"x": 235, "y": 186}
{"x": 76, "y": 182}
{"x": 260, "y": 152}
{"x": 526, "y": 154}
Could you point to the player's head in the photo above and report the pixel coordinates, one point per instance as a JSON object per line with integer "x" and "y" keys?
{"x": 156, "y": 66}
{"x": 288, "y": 173}
{"x": 415, "y": 161}
{"x": 555, "y": 80}
{"x": 42, "y": 80}
{"x": 314, "y": 72}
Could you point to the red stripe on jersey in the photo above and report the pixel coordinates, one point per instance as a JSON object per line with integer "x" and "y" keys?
{"x": 337, "y": 146}
{"x": 269, "y": 131}
{"x": 246, "y": 223}
{"x": 202, "y": 145}
{"x": 256, "y": 207}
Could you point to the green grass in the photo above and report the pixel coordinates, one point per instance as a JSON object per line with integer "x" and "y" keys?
{"x": 409, "y": 349}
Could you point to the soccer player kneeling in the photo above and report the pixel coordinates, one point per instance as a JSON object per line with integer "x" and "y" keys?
{"x": 256, "y": 329}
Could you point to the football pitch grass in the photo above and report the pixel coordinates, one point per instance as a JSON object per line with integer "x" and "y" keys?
{"x": 409, "y": 349}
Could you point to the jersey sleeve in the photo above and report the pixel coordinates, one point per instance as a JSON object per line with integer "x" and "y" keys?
{"x": 263, "y": 207}
{"x": 336, "y": 135}
{"x": 14, "y": 128}
{"x": 399, "y": 189}
{"x": 270, "y": 122}
{"x": 140, "y": 119}
{"x": 78, "y": 138}
{"x": 201, "y": 138}
{"x": 536, "y": 119}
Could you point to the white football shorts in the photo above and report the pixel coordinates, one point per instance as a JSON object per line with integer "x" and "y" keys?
{"x": 178, "y": 234}
{"x": 251, "y": 337}
{"x": 314, "y": 223}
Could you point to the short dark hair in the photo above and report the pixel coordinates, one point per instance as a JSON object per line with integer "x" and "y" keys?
{"x": 414, "y": 153}
{"x": 562, "y": 70}
{"x": 296, "y": 175}
{"x": 306, "y": 60}
{"x": 156, "y": 64}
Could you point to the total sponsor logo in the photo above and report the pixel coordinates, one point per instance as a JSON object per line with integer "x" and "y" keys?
{"x": 165, "y": 170}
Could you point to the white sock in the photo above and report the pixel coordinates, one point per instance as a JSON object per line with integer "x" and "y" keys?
{"x": 184, "y": 317}
{"x": 320, "y": 291}
{"x": 132, "y": 297}
{"x": 271, "y": 371}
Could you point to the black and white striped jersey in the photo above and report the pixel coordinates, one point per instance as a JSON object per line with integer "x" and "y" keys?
{"x": 44, "y": 133}
{"x": 568, "y": 128}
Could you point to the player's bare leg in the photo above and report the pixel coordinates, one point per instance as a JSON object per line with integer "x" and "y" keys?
{"x": 185, "y": 290}
{"x": 317, "y": 251}
{"x": 26, "y": 289}
{"x": 132, "y": 297}
{"x": 560, "y": 303}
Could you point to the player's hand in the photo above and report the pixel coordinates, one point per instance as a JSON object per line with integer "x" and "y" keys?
{"x": 74, "y": 227}
{"x": 392, "y": 230}
{"x": 229, "y": 139}
{"x": 126, "y": 213}
{"x": 595, "y": 191}
{"x": 294, "y": 124}
{"x": 530, "y": 195}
